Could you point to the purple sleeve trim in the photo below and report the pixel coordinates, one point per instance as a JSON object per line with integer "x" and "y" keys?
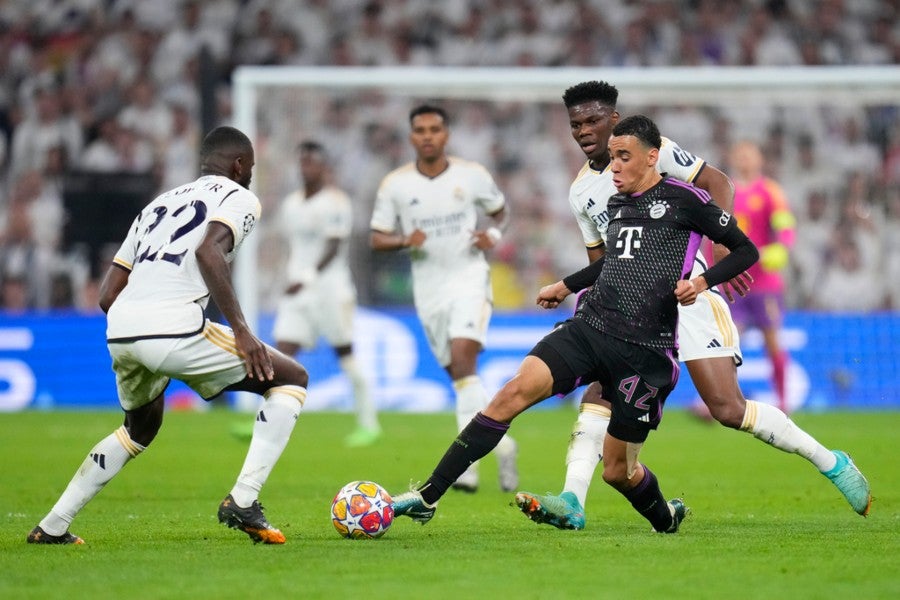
{"x": 702, "y": 194}
{"x": 692, "y": 248}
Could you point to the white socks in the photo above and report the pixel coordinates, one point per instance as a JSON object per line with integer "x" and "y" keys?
{"x": 103, "y": 462}
{"x": 772, "y": 426}
{"x": 366, "y": 416}
{"x": 274, "y": 423}
{"x": 585, "y": 449}
{"x": 765, "y": 422}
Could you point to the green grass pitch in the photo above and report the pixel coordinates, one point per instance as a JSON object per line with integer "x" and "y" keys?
{"x": 764, "y": 524}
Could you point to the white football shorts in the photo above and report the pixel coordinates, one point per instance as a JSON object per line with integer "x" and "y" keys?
{"x": 305, "y": 317}
{"x": 706, "y": 330}
{"x": 208, "y": 362}
{"x": 465, "y": 315}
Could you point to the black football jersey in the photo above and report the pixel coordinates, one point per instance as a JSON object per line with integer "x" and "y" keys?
{"x": 651, "y": 243}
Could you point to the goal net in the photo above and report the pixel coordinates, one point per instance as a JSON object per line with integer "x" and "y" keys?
{"x": 819, "y": 126}
{"x": 513, "y": 121}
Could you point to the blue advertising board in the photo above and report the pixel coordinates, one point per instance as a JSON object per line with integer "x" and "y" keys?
{"x": 59, "y": 360}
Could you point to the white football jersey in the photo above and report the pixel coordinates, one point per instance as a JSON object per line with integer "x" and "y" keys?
{"x": 446, "y": 209}
{"x": 166, "y": 293}
{"x": 307, "y": 224}
{"x": 591, "y": 190}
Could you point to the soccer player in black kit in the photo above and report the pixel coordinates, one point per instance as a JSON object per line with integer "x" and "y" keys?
{"x": 623, "y": 333}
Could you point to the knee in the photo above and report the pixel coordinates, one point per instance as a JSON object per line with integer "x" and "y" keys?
{"x": 727, "y": 410}
{"x": 143, "y": 425}
{"x": 299, "y": 376}
{"x": 507, "y": 403}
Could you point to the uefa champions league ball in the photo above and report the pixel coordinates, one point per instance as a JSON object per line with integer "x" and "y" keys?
{"x": 362, "y": 510}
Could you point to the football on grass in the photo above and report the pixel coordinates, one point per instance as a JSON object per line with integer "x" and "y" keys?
{"x": 362, "y": 510}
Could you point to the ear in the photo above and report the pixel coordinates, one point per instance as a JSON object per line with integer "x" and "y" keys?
{"x": 237, "y": 167}
{"x": 614, "y": 118}
{"x": 653, "y": 156}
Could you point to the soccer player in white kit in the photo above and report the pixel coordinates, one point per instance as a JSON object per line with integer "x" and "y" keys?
{"x": 707, "y": 337}
{"x": 320, "y": 299}
{"x": 173, "y": 260}
{"x": 436, "y": 201}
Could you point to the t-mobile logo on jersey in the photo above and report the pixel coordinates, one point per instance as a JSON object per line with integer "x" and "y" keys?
{"x": 629, "y": 239}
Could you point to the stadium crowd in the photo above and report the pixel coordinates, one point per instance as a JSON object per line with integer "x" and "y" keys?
{"x": 111, "y": 86}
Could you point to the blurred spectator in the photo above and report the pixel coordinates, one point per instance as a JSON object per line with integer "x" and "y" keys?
{"x": 805, "y": 172}
{"x": 847, "y": 285}
{"x": 101, "y": 154}
{"x": 46, "y": 128}
{"x": 891, "y": 249}
{"x": 179, "y": 158}
{"x": 146, "y": 115}
{"x": 69, "y": 69}
{"x": 118, "y": 148}
{"x": 815, "y": 225}
{"x": 23, "y": 261}
{"x": 858, "y": 153}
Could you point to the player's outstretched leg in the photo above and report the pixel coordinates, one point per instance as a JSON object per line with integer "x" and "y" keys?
{"x": 775, "y": 428}
{"x": 410, "y": 504}
{"x": 474, "y": 442}
{"x": 847, "y": 477}
{"x": 563, "y": 511}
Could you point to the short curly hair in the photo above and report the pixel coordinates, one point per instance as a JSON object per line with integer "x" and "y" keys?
{"x": 591, "y": 91}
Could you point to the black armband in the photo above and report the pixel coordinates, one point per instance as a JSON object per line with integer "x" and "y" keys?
{"x": 586, "y": 277}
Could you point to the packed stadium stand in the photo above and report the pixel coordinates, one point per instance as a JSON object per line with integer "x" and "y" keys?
{"x": 110, "y": 87}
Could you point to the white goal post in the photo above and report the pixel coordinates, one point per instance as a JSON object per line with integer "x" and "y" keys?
{"x": 750, "y": 88}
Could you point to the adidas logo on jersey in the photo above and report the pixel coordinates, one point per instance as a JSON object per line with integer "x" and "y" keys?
{"x": 714, "y": 344}
{"x": 261, "y": 417}
{"x": 645, "y": 418}
{"x": 414, "y": 202}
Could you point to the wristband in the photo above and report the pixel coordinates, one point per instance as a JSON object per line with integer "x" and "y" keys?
{"x": 494, "y": 234}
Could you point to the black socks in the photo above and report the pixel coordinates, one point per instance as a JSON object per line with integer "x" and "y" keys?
{"x": 647, "y": 499}
{"x": 479, "y": 437}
